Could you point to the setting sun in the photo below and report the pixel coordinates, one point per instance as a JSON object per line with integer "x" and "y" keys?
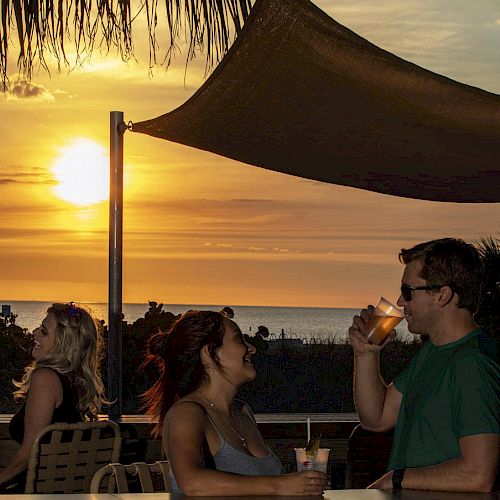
{"x": 82, "y": 172}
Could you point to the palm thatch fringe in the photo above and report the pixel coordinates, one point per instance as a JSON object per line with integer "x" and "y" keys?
{"x": 488, "y": 315}
{"x": 41, "y": 26}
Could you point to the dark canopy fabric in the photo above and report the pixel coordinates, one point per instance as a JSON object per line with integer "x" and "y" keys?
{"x": 301, "y": 94}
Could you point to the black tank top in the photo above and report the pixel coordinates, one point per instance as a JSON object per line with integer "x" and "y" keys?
{"x": 67, "y": 411}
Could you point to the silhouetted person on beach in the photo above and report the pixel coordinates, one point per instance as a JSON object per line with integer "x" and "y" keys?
{"x": 445, "y": 406}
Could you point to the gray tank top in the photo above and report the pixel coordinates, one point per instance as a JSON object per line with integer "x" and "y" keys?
{"x": 231, "y": 459}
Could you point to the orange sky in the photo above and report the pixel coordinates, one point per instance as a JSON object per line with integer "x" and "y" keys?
{"x": 204, "y": 229}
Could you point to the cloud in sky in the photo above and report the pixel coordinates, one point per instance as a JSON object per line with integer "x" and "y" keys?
{"x": 10, "y": 175}
{"x": 448, "y": 38}
{"x": 23, "y": 90}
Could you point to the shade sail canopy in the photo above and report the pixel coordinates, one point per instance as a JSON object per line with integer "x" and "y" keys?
{"x": 301, "y": 94}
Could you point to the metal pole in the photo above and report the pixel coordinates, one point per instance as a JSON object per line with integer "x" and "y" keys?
{"x": 117, "y": 129}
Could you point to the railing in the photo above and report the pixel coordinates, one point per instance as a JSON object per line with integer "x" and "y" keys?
{"x": 282, "y": 431}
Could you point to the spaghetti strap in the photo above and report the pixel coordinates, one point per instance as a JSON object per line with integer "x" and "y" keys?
{"x": 219, "y": 433}
{"x": 245, "y": 408}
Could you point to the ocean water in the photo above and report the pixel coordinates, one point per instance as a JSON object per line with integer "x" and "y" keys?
{"x": 295, "y": 322}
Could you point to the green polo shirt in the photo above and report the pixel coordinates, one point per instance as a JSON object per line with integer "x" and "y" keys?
{"x": 449, "y": 391}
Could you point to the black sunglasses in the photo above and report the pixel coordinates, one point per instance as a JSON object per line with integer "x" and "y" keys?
{"x": 407, "y": 289}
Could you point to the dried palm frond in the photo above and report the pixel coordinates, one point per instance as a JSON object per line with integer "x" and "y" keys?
{"x": 488, "y": 314}
{"x": 38, "y": 27}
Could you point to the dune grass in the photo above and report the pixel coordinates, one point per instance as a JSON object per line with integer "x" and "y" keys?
{"x": 315, "y": 377}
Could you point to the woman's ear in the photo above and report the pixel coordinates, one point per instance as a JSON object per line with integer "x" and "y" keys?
{"x": 206, "y": 360}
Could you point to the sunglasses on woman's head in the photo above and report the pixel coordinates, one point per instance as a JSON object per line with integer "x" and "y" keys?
{"x": 407, "y": 289}
{"x": 73, "y": 309}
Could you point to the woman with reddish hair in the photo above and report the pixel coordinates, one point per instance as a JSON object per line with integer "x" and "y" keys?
{"x": 211, "y": 439}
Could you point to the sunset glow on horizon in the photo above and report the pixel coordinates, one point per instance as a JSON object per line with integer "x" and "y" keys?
{"x": 203, "y": 229}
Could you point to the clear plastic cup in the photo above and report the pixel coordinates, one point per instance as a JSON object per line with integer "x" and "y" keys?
{"x": 386, "y": 317}
{"x": 319, "y": 462}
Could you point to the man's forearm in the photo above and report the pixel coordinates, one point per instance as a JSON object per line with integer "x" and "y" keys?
{"x": 369, "y": 390}
{"x": 453, "y": 475}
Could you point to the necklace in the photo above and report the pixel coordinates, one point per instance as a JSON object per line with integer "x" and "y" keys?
{"x": 229, "y": 424}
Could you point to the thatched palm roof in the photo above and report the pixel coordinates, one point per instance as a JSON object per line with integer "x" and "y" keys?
{"x": 38, "y": 27}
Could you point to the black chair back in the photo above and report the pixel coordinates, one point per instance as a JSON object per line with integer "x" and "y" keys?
{"x": 367, "y": 456}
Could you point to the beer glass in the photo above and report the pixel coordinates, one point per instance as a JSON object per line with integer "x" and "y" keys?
{"x": 385, "y": 318}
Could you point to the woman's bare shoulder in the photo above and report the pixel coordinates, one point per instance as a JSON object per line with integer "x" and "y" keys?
{"x": 186, "y": 415}
{"x": 44, "y": 377}
{"x": 187, "y": 408}
{"x": 45, "y": 388}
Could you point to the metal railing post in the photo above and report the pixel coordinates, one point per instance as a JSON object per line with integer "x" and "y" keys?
{"x": 117, "y": 129}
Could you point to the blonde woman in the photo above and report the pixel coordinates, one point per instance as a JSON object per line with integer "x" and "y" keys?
{"x": 63, "y": 384}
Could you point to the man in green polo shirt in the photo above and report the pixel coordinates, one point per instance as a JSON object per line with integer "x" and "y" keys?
{"x": 445, "y": 406}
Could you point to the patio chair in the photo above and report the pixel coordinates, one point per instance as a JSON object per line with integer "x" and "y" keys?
{"x": 151, "y": 477}
{"x": 367, "y": 456}
{"x": 64, "y": 457}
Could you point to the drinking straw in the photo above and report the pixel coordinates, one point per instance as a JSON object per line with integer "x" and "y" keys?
{"x": 308, "y": 429}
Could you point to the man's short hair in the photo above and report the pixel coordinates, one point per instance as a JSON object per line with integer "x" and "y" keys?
{"x": 451, "y": 262}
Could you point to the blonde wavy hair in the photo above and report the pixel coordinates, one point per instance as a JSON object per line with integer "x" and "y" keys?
{"x": 76, "y": 354}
